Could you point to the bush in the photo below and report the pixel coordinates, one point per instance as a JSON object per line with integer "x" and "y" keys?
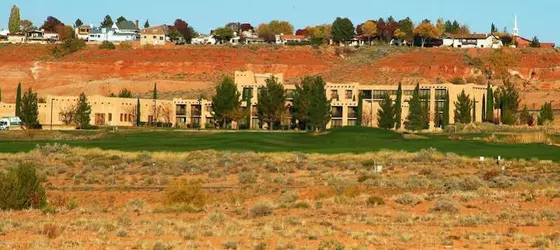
{"x": 125, "y": 46}
{"x": 186, "y": 192}
{"x": 67, "y": 47}
{"x": 248, "y": 177}
{"x": 375, "y": 201}
{"x": 408, "y": 199}
{"x": 107, "y": 45}
{"x": 262, "y": 209}
{"x": 331, "y": 244}
{"x": 446, "y": 205}
{"x": 20, "y": 189}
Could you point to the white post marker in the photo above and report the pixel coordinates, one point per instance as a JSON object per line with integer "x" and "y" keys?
{"x": 481, "y": 159}
{"x": 379, "y": 169}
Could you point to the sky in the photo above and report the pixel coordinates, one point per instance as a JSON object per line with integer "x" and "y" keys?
{"x": 535, "y": 16}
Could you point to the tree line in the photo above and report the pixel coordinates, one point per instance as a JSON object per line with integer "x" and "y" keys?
{"x": 310, "y": 106}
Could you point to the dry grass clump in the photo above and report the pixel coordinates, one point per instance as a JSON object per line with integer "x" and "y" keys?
{"x": 446, "y": 205}
{"x": 263, "y": 208}
{"x": 187, "y": 192}
{"x": 52, "y": 231}
{"x": 408, "y": 199}
{"x": 375, "y": 201}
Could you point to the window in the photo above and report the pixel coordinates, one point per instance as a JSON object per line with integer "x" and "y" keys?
{"x": 379, "y": 94}
{"x": 161, "y": 38}
{"x": 348, "y": 95}
{"x": 154, "y": 37}
{"x": 334, "y": 94}
{"x": 150, "y": 119}
{"x": 336, "y": 112}
{"x": 145, "y": 37}
{"x": 353, "y": 112}
{"x": 121, "y": 117}
{"x": 110, "y": 117}
{"x": 441, "y": 94}
{"x": 246, "y": 93}
{"x": 352, "y": 122}
{"x": 129, "y": 117}
{"x": 408, "y": 92}
{"x": 336, "y": 123}
{"x": 424, "y": 94}
{"x": 366, "y": 94}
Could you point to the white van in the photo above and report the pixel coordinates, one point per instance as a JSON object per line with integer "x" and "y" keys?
{"x": 7, "y": 122}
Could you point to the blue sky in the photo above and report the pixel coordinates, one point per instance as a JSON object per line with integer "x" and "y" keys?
{"x": 535, "y": 16}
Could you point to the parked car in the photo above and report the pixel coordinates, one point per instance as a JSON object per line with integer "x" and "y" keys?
{"x": 7, "y": 122}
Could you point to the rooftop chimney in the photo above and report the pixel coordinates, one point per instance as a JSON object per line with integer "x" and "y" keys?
{"x": 137, "y": 27}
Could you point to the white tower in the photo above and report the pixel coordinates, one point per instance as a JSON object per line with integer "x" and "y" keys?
{"x": 515, "y": 28}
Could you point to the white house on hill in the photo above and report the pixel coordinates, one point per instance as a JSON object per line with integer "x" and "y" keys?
{"x": 472, "y": 41}
{"x": 119, "y": 32}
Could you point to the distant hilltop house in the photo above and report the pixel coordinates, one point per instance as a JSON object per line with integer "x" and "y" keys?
{"x": 472, "y": 41}
{"x": 204, "y": 39}
{"x": 41, "y": 36}
{"x": 285, "y": 39}
{"x": 154, "y": 35}
{"x": 524, "y": 43}
{"x": 82, "y": 32}
{"x": 120, "y": 32}
{"x": 4, "y": 34}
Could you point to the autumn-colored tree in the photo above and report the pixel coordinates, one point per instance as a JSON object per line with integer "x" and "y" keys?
{"x": 425, "y": 31}
{"x": 369, "y": 30}
{"x": 302, "y": 32}
{"x": 26, "y": 26}
{"x": 264, "y": 32}
{"x": 440, "y": 25}
{"x": 320, "y": 33}
{"x": 64, "y": 32}
{"x": 183, "y": 28}
{"x": 386, "y": 29}
{"x": 463, "y": 30}
{"x": 400, "y": 35}
{"x": 51, "y": 24}
{"x": 281, "y": 27}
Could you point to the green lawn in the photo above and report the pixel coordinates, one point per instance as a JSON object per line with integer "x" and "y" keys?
{"x": 344, "y": 140}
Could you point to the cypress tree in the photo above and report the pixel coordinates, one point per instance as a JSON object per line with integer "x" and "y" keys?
{"x": 415, "y": 121}
{"x": 360, "y": 110}
{"x": 446, "y": 111}
{"x": 463, "y": 108}
{"x": 489, "y": 114}
{"x": 30, "y": 110}
{"x": 18, "y": 101}
{"x": 474, "y": 110}
{"x": 155, "y": 92}
{"x": 83, "y": 112}
{"x": 398, "y": 108}
{"x": 14, "y": 21}
{"x": 483, "y": 108}
{"x": 386, "y": 115}
{"x": 138, "y": 112}
{"x": 249, "y": 107}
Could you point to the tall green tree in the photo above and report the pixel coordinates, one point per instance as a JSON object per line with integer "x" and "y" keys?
{"x": 546, "y": 113}
{"x": 359, "y": 117}
{"x": 107, "y": 22}
{"x": 138, "y": 113}
{"x": 14, "y": 21}
{"x": 271, "y": 102}
{"x": 415, "y": 120}
{"x": 493, "y": 29}
{"x": 398, "y": 108}
{"x": 83, "y": 112}
{"x": 18, "y": 100}
{"x": 386, "y": 115}
{"x": 342, "y": 30}
{"x": 226, "y": 100}
{"x": 489, "y": 104}
{"x": 147, "y": 24}
{"x": 302, "y": 102}
{"x": 463, "y": 108}
{"x": 507, "y": 99}
{"x": 155, "y": 94}
{"x": 78, "y": 23}
{"x": 446, "y": 111}
{"x": 474, "y": 110}
{"x": 29, "y": 110}
{"x": 248, "y": 100}
{"x": 320, "y": 107}
{"x": 20, "y": 188}
{"x": 121, "y": 19}
{"x": 125, "y": 93}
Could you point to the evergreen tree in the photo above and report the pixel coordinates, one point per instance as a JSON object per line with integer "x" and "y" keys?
{"x": 493, "y": 29}
{"x": 398, "y": 107}
{"x": 14, "y": 21}
{"x": 386, "y": 115}
{"x": 125, "y": 93}
{"x": 415, "y": 120}
{"x": 107, "y": 22}
{"x": 525, "y": 117}
{"x": 463, "y": 108}
{"x": 507, "y": 99}
{"x": 78, "y": 23}
{"x": 342, "y": 30}
{"x": 474, "y": 110}
{"x": 155, "y": 92}
{"x": 359, "y": 118}
{"x": 18, "y": 100}
{"x": 426, "y": 113}
{"x": 489, "y": 104}
{"x": 83, "y": 112}
{"x": 446, "y": 111}
{"x": 301, "y": 102}
{"x": 320, "y": 107}
{"x": 30, "y": 110}
{"x": 271, "y": 102}
{"x": 535, "y": 43}
{"x": 147, "y": 24}
{"x": 546, "y": 113}
{"x": 248, "y": 100}
{"x": 226, "y": 100}
{"x": 121, "y": 19}
{"x": 138, "y": 113}
{"x": 483, "y": 108}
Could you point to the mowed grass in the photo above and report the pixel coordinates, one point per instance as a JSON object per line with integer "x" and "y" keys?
{"x": 343, "y": 140}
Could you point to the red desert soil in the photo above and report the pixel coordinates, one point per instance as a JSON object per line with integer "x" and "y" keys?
{"x": 94, "y": 71}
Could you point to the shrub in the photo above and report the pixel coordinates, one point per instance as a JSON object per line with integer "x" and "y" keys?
{"x": 375, "y": 201}
{"x": 408, "y": 199}
{"x": 262, "y": 209}
{"x": 230, "y": 245}
{"x": 302, "y": 204}
{"x": 67, "y": 47}
{"x": 186, "y": 192}
{"x": 51, "y": 231}
{"x": 20, "y": 188}
{"x": 248, "y": 177}
{"x": 287, "y": 198}
{"x": 107, "y": 45}
{"x": 331, "y": 244}
{"x": 135, "y": 205}
{"x": 446, "y": 205}
{"x": 72, "y": 204}
{"x": 125, "y": 46}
